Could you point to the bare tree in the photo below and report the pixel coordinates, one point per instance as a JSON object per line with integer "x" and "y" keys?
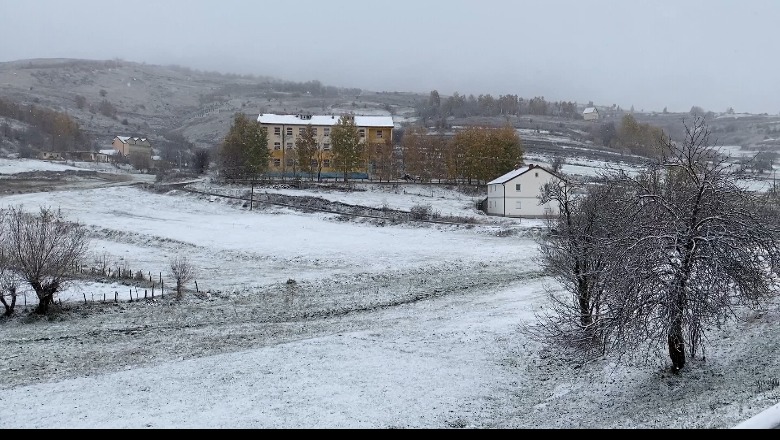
{"x": 183, "y": 272}
{"x": 701, "y": 246}
{"x": 201, "y": 160}
{"x": 680, "y": 247}
{"x": 8, "y": 279}
{"x": 44, "y": 249}
{"x": 577, "y": 251}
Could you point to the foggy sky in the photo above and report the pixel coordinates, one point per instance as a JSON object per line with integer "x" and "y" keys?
{"x": 649, "y": 54}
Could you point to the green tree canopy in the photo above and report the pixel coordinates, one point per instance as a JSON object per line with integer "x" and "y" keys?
{"x": 244, "y": 153}
{"x": 345, "y": 141}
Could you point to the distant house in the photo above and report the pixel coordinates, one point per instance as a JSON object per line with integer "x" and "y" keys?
{"x": 516, "y": 194}
{"x": 591, "y": 114}
{"x": 49, "y": 155}
{"x": 127, "y": 145}
{"x": 88, "y": 156}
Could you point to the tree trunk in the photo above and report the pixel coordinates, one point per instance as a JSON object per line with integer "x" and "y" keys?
{"x": 677, "y": 349}
{"x": 45, "y": 293}
{"x": 252, "y": 195}
{"x": 9, "y": 308}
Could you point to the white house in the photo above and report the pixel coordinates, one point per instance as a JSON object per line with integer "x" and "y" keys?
{"x": 591, "y": 114}
{"x": 516, "y": 194}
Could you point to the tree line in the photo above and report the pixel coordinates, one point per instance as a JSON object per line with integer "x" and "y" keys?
{"x": 436, "y": 108}
{"x": 630, "y": 136}
{"x": 474, "y": 155}
{"x": 50, "y": 130}
{"x": 653, "y": 261}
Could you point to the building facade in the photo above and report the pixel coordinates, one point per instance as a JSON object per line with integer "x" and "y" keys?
{"x": 516, "y": 194}
{"x": 126, "y": 145}
{"x": 285, "y": 130}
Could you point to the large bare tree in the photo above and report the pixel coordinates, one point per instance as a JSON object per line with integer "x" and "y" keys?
{"x": 44, "y": 248}
{"x": 682, "y": 245}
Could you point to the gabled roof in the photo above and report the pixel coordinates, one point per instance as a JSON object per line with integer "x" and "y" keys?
{"x": 590, "y": 110}
{"x": 518, "y": 172}
{"x": 124, "y": 139}
{"x": 326, "y": 120}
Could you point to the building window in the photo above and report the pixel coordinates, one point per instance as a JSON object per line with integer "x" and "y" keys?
{"x": 289, "y": 162}
{"x": 536, "y": 174}
{"x": 277, "y": 145}
{"x": 362, "y": 132}
{"x": 326, "y": 146}
{"x": 379, "y": 134}
{"x": 517, "y": 187}
{"x": 326, "y": 131}
{"x": 301, "y": 130}
{"x": 518, "y": 205}
{"x": 277, "y": 163}
{"x": 326, "y": 163}
{"x": 289, "y": 145}
{"x": 289, "y": 131}
{"x": 278, "y": 131}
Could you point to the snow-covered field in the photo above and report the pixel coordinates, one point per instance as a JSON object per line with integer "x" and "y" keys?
{"x": 313, "y": 320}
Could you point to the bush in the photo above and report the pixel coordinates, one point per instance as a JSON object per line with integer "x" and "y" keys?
{"x": 421, "y": 212}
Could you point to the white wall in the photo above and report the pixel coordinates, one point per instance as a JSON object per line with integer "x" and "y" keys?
{"x": 506, "y": 200}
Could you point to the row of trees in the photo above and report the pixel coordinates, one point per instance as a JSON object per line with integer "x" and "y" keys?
{"x": 475, "y": 155}
{"x": 630, "y": 136}
{"x": 656, "y": 259}
{"x": 486, "y": 105}
{"x": 53, "y": 131}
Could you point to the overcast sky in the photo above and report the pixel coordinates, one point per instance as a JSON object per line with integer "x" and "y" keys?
{"x": 648, "y": 54}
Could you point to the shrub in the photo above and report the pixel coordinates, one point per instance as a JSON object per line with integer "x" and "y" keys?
{"x": 420, "y": 212}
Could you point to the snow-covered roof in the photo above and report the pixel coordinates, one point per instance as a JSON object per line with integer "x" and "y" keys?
{"x": 109, "y": 152}
{"x": 590, "y": 110}
{"x": 124, "y": 139}
{"x": 518, "y": 172}
{"x": 326, "y": 120}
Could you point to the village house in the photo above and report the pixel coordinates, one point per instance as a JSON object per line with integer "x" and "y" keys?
{"x": 49, "y": 155}
{"x": 591, "y": 114}
{"x": 87, "y": 156}
{"x": 516, "y": 194}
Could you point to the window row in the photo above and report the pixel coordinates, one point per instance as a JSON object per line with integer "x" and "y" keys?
{"x": 301, "y": 131}
{"x": 290, "y": 162}
{"x": 325, "y": 132}
{"x": 290, "y": 146}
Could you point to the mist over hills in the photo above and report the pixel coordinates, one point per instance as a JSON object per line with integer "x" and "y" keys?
{"x": 167, "y": 103}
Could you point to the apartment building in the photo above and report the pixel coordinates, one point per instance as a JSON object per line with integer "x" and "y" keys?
{"x": 284, "y": 130}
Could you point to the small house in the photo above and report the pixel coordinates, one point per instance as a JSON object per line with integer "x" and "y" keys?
{"x": 591, "y": 114}
{"x": 49, "y": 155}
{"x": 516, "y": 194}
